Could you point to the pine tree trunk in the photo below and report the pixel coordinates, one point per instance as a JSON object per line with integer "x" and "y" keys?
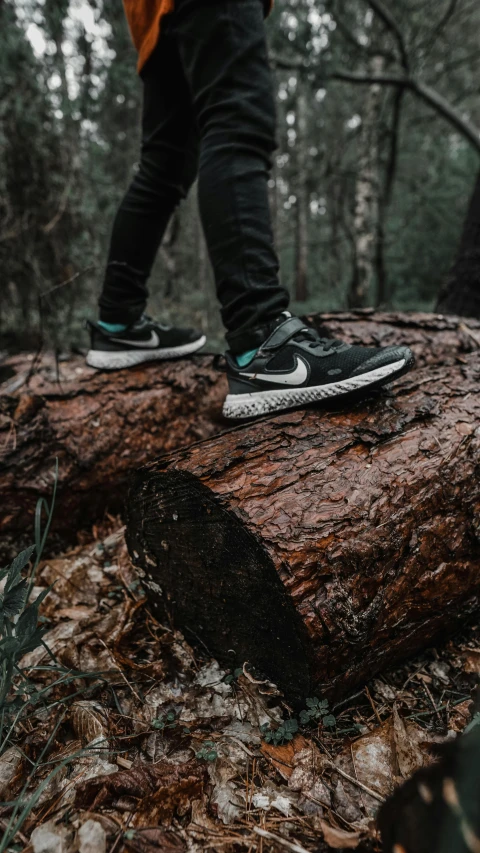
{"x": 321, "y": 546}
{"x": 366, "y": 195}
{"x": 302, "y": 203}
{"x": 461, "y": 294}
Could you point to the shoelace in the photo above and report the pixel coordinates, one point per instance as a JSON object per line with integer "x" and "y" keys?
{"x": 315, "y": 340}
{"x": 145, "y": 318}
{"x": 311, "y": 335}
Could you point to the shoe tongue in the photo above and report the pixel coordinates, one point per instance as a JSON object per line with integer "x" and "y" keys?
{"x": 313, "y": 336}
{"x": 144, "y": 320}
{"x": 285, "y": 315}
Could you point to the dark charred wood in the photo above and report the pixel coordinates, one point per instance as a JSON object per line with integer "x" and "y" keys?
{"x": 321, "y": 546}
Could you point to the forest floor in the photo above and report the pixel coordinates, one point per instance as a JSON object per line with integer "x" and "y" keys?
{"x": 127, "y": 739}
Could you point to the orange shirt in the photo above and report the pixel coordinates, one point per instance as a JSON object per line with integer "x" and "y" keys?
{"x": 144, "y": 18}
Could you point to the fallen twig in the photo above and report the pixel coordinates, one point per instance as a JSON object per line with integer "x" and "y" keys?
{"x": 296, "y": 848}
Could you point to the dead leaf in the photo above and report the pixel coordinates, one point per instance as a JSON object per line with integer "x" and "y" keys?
{"x": 77, "y": 580}
{"x": 156, "y": 792}
{"x": 464, "y": 428}
{"x": 440, "y": 670}
{"x": 92, "y": 765}
{"x": 10, "y": 764}
{"x": 80, "y": 612}
{"x": 272, "y": 797}
{"x": 339, "y": 839}
{"x": 407, "y": 750}
{"x": 49, "y": 838}
{"x": 92, "y": 837}
{"x": 347, "y": 801}
{"x": 421, "y": 676}
{"x": 227, "y": 802}
{"x": 282, "y": 757}
{"x": 54, "y": 639}
{"x": 471, "y": 658}
{"x": 307, "y": 779}
{"x": 384, "y": 690}
{"x": 153, "y": 840}
{"x": 89, "y": 721}
{"x": 460, "y": 715}
{"x": 373, "y": 760}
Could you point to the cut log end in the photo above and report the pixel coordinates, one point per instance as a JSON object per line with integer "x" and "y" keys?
{"x": 217, "y": 581}
{"x": 321, "y": 546}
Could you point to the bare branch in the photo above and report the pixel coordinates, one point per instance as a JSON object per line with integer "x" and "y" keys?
{"x": 287, "y": 64}
{"x": 440, "y": 26}
{"x": 426, "y": 93}
{"x": 438, "y": 102}
{"x": 388, "y": 19}
{"x": 386, "y": 79}
{"x": 363, "y": 48}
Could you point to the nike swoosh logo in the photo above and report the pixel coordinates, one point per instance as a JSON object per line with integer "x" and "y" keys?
{"x": 152, "y": 343}
{"x": 295, "y": 377}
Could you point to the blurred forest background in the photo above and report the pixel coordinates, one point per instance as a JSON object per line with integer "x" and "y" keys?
{"x": 370, "y": 184}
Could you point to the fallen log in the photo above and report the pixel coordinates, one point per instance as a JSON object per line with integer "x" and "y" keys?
{"x": 104, "y": 426}
{"x": 321, "y": 546}
{"x": 433, "y": 338}
{"x": 101, "y": 427}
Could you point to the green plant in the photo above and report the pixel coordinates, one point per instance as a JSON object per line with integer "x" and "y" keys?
{"x": 282, "y": 734}
{"x": 165, "y": 721}
{"x": 19, "y": 631}
{"x": 23, "y": 805}
{"x": 232, "y": 676}
{"x": 208, "y": 751}
{"x": 317, "y": 711}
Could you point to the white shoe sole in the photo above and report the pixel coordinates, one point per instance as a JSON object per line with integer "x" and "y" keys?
{"x": 102, "y": 360}
{"x": 263, "y": 402}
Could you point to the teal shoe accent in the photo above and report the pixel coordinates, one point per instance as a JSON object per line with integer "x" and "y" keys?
{"x": 246, "y": 357}
{"x": 112, "y": 327}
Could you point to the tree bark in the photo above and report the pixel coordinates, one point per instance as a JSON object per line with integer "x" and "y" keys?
{"x": 303, "y": 196}
{"x": 103, "y": 426}
{"x": 461, "y": 293}
{"x": 367, "y": 192}
{"x": 321, "y": 546}
{"x": 434, "y": 339}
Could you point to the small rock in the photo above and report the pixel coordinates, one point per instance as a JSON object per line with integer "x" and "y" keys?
{"x": 440, "y": 670}
{"x": 384, "y": 690}
{"x": 92, "y": 837}
{"x": 49, "y": 838}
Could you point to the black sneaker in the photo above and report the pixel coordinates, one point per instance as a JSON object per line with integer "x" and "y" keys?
{"x": 295, "y": 366}
{"x": 146, "y": 340}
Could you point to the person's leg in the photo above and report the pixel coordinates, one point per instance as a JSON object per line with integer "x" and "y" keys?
{"x": 124, "y": 336}
{"x": 168, "y": 166}
{"x": 224, "y": 58}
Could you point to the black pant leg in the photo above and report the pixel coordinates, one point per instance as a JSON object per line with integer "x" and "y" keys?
{"x": 224, "y": 57}
{"x": 167, "y": 168}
